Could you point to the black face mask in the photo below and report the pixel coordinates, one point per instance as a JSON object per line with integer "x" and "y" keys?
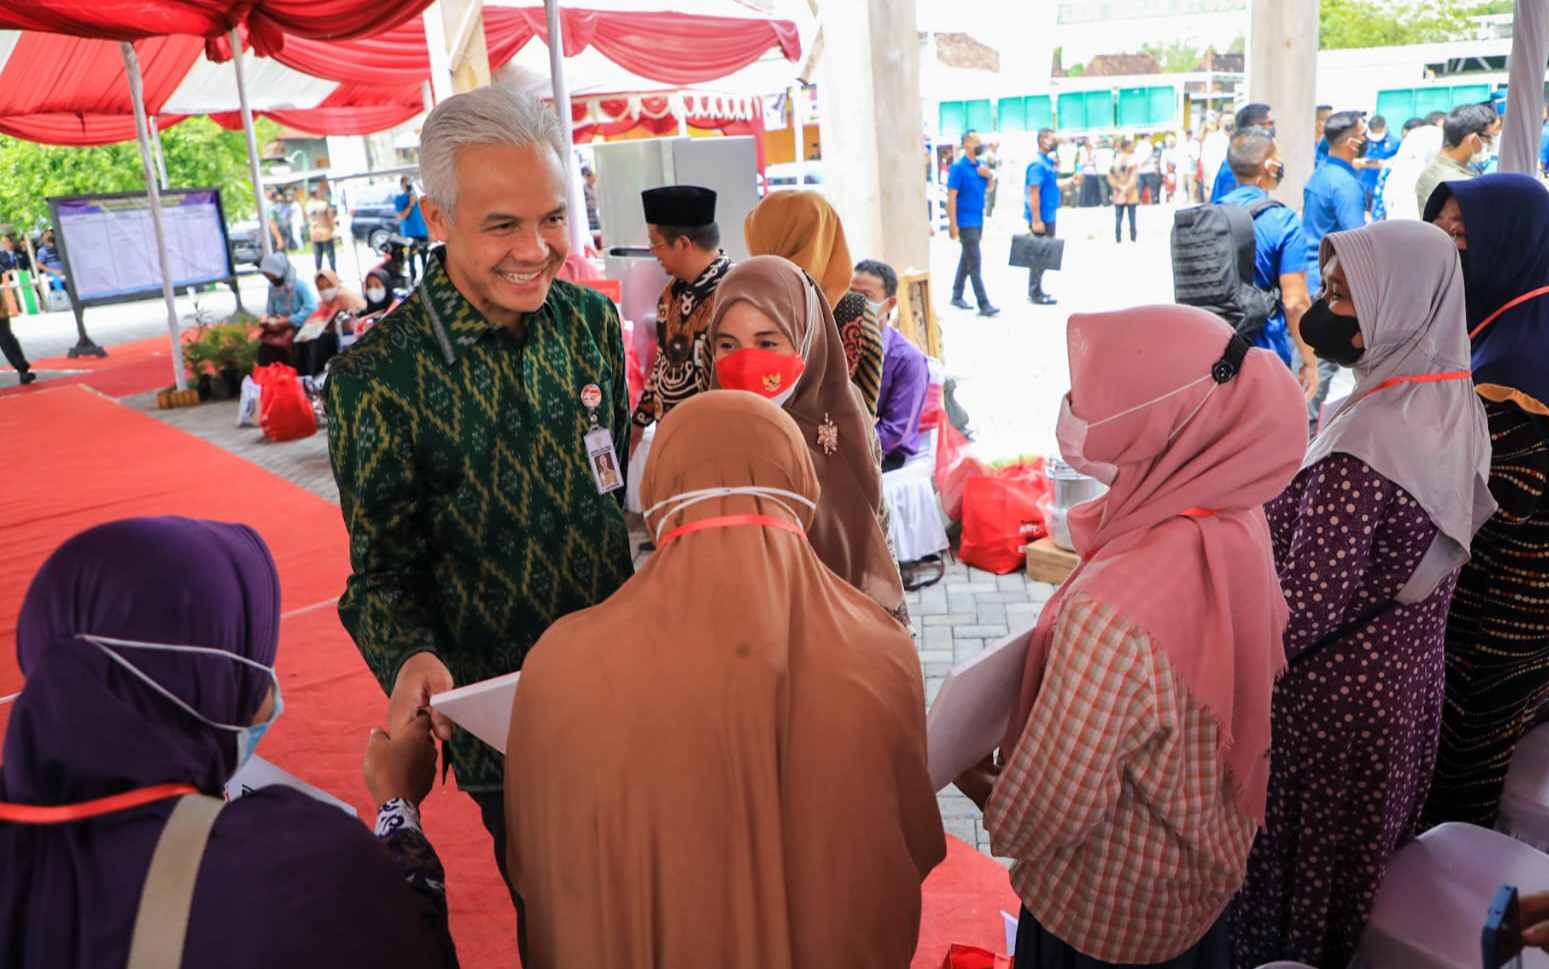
{"x": 1278, "y": 175}
{"x": 1329, "y": 334}
{"x": 1360, "y": 151}
{"x": 979, "y": 150}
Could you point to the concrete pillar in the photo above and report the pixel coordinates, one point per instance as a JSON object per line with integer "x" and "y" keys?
{"x": 468, "y": 55}
{"x": 1283, "y": 73}
{"x": 1525, "y": 107}
{"x": 434, "y": 19}
{"x": 873, "y": 156}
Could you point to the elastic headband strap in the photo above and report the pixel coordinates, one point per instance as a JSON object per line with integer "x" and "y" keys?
{"x": 728, "y": 521}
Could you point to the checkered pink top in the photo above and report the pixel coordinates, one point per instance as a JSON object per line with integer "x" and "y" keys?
{"x": 1126, "y": 842}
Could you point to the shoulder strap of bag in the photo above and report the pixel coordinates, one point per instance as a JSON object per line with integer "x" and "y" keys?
{"x": 1263, "y": 205}
{"x": 161, "y": 924}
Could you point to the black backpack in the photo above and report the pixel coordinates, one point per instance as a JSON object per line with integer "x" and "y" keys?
{"x": 1213, "y": 253}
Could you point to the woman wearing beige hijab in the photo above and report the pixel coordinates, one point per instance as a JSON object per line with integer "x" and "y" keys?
{"x": 773, "y": 334}
{"x": 671, "y": 785}
{"x": 804, "y": 228}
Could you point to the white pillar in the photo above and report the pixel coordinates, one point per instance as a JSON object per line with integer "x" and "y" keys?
{"x": 578, "y": 225}
{"x": 1523, "y": 125}
{"x": 252, "y": 143}
{"x": 798, "y": 95}
{"x": 161, "y": 160}
{"x": 142, "y": 128}
{"x": 440, "y": 58}
{"x": 871, "y": 84}
{"x": 1283, "y": 73}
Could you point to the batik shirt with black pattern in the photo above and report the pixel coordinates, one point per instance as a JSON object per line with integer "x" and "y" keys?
{"x": 684, "y": 358}
{"x": 473, "y": 515}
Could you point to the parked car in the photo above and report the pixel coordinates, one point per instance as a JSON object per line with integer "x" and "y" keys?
{"x": 789, "y": 176}
{"x": 246, "y": 246}
{"x": 374, "y": 218}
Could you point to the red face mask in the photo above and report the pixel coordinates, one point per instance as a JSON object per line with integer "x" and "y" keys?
{"x": 764, "y": 372}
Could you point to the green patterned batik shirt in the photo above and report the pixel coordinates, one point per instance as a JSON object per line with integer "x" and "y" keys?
{"x": 473, "y": 515}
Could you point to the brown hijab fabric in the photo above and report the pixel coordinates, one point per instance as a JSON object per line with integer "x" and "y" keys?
{"x": 848, "y": 533}
{"x": 677, "y": 753}
{"x": 804, "y": 228}
{"x": 347, "y": 299}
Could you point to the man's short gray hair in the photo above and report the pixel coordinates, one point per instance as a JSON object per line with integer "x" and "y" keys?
{"x": 494, "y": 115}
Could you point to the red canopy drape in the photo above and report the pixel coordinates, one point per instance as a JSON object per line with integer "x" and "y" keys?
{"x": 267, "y": 21}
{"x": 94, "y": 108}
{"x": 671, "y": 48}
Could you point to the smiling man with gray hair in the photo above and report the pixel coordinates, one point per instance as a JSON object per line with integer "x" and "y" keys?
{"x": 470, "y": 430}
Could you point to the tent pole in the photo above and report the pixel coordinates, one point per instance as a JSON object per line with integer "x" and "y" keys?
{"x": 578, "y": 224}
{"x": 161, "y": 159}
{"x": 142, "y": 128}
{"x": 1523, "y": 124}
{"x": 252, "y": 143}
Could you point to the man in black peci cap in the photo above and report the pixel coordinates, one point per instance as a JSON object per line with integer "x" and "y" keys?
{"x": 680, "y": 220}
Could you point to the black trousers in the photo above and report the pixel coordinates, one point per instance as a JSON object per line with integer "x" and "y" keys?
{"x": 1091, "y": 191}
{"x": 12, "y": 347}
{"x": 492, "y": 809}
{"x": 970, "y": 265}
{"x": 1035, "y": 276}
{"x": 325, "y": 250}
{"x": 1118, "y": 222}
{"x": 1038, "y": 948}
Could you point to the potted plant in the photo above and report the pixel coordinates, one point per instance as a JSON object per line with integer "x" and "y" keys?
{"x": 235, "y": 356}
{"x": 198, "y": 360}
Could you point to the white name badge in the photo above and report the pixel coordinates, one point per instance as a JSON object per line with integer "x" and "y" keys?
{"x": 604, "y": 460}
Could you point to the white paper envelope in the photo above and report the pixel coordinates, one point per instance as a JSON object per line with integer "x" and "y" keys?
{"x": 257, "y": 773}
{"x": 968, "y": 719}
{"x": 483, "y": 709}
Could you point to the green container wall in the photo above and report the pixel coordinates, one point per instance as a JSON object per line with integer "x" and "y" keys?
{"x": 1134, "y": 107}
{"x": 1011, "y": 114}
{"x": 981, "y": 115}
{"x": 1164, "y": 105}
{"x": 1072, "y": 112}
{"x": 1400, "y": 104}
{"x": 953, "y": 121}
{"x": 1100, "y": 109}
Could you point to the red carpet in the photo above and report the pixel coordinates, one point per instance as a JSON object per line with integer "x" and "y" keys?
{"x": 87, "y": 464}
{"x": 129, "y": 368}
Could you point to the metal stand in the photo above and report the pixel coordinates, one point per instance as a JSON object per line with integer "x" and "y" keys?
{"x": 84, "y": 346}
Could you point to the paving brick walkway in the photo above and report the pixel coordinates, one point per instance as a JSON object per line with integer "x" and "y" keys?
{"x": 953, "y": 619}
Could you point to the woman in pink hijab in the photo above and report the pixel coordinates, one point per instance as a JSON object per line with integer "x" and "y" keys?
{"x": 1134, "y": 769}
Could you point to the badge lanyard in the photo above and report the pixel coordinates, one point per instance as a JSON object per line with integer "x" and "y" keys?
{"x": 600, "y": 454}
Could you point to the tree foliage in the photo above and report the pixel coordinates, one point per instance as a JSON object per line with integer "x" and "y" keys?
{"x": 1177, "y": 57}
{"x": 1387, "y": 23}
{"x": 199, "y": 154}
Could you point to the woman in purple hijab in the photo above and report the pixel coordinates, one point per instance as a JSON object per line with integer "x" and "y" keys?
{"x": 285, "y": 880}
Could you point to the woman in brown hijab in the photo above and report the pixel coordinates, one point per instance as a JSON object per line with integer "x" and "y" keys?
{"x": 773, "y": 334}
{"x": 671, "y": 786}
{"x": 804, "y": 228}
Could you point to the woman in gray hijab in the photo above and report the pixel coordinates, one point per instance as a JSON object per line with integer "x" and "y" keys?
{"x": 291, "y": 301}
{"x": 1368, "y": 542}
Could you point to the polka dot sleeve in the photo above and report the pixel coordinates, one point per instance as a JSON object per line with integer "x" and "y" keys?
{"x": 1328, "y": 545}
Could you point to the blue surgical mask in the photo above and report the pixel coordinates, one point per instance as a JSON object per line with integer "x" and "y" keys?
{"x": 248, "y": 735}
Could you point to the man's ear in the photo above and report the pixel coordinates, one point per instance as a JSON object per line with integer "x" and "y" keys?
{"x": 437, "y": 219}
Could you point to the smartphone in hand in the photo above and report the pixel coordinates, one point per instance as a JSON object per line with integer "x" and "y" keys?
{"x": 1502, "y": 936}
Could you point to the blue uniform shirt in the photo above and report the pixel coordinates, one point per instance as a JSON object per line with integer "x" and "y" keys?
{"x": 1043, "y": 172}
{"x": 970, "y": 186}
{"x": 1543, "y": 149}
{"x": 1278, "y": 248}
{"x": 1320, "y": 154}
{"x": 1332, "y": 202}
{"x": 1381, "y": 150}
{"x": 1225, "y": 183}
{"x": 413, "y": 225}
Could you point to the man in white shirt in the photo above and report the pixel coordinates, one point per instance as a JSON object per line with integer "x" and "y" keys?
{"x": 1105, "y": 156}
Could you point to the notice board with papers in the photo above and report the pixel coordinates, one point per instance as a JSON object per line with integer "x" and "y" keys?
{"x": 108, "y": 244}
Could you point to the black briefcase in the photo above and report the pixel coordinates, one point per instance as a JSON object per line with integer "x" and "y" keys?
{"x": 1037, "y": 252}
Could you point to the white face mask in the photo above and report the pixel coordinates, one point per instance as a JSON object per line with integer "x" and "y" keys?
{"x": 248, "y": 735}
{"x": 687, "y": 499}
{"x": 328, "y": 295}
{"x": 1071, "y": 432}
{"x": 1482, "y": 156}
{"x": 376, "y": 295}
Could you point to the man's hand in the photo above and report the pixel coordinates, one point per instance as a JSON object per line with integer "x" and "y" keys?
{"x": 402, "y": 765}
{"x": 1038, "y": 227}
{"x": 986, "y": 171}
{"x": 1308, "y": 376}
{"x": 952, "y": 231}
{"x": 978, "y": 782}
{"x": 420, "y": 677}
